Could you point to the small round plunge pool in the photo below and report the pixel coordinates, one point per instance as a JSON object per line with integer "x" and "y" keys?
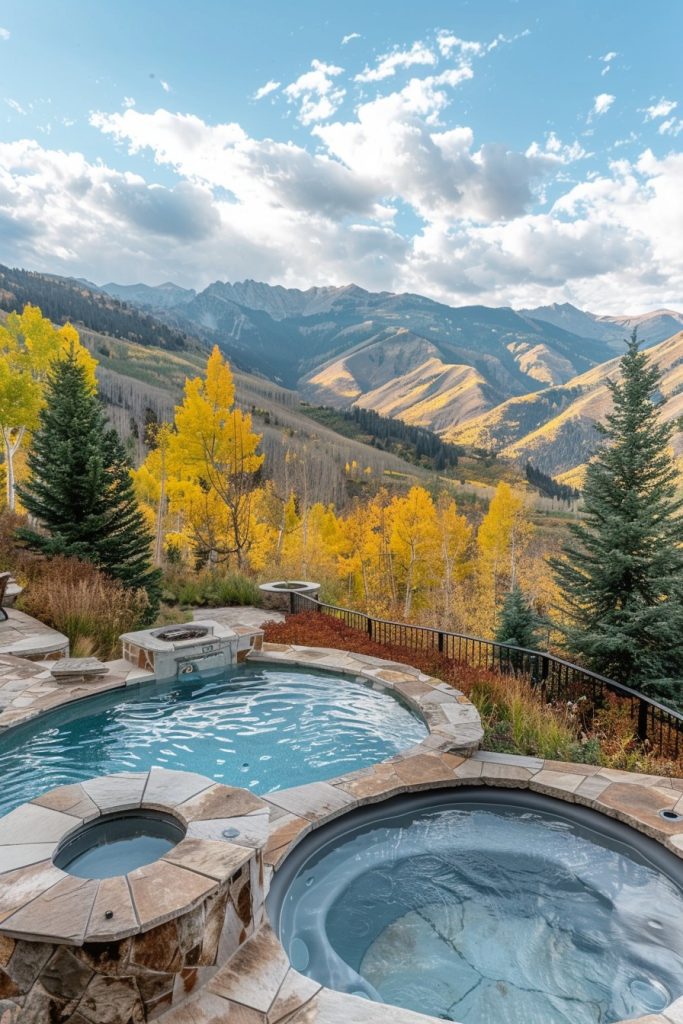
{"x": 485, "y": 905}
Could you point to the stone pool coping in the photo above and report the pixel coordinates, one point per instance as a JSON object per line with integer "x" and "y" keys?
{"x": 40, "y": 902}
{"x": 258, "y": 986}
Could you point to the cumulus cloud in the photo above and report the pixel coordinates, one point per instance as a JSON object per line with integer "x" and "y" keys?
{"x": 660, "y": 109}
{"x": 390, "y": 63}
{"x": 316, "y": 93}
{"x": 267, "y": 89}
{"x": 394, "y": 194}
{"x": 351, "y": 36}
{"x": 4, "y": 34}
{"x": 128, "y": 102}
{"x": 164, "y": 85}
{"x": 602, "y": 103}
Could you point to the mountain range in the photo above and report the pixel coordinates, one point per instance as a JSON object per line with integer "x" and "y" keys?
{"x": 527, "y": 384}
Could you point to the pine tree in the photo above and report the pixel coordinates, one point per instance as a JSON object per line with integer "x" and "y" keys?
{"x": 622, "y": 575}
{"x": 517, "y": 623}
{"x": 80, "y": 489}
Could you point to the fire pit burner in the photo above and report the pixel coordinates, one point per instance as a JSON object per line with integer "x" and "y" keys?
{"x": 173, "y": 634}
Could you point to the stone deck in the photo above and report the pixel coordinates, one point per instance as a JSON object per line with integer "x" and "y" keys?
{"x": 247, "y": 616}
{"x": 25, "y": 637}
{"x": 258, "y": 986}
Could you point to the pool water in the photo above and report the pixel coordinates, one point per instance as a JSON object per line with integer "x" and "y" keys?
{"x": 481, "y": 913}
{"x": 259, "y": 728}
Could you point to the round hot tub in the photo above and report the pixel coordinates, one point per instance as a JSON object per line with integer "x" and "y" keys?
{"x": 482, "y": 905}
{"x": 115, "y": 844}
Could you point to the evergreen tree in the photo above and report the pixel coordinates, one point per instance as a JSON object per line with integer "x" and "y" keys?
{"x": 517, "y": 623}
{"x": 622, "y": 575}
{"x": 80, "y": 489}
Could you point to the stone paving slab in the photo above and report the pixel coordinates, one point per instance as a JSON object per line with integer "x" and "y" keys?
{"x": 25, "y": 637}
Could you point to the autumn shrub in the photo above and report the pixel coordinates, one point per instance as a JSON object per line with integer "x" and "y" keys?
{"x": 516, "y": 718}
{"x": 79, "y": 600}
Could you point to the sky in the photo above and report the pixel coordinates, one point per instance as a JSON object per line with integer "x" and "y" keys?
{"x": 502, "y": 152}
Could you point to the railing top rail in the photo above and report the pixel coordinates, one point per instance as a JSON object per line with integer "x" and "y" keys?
{"x": 612, "y": 684}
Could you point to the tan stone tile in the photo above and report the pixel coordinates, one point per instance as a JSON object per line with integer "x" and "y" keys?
{"x": 285, "y": 830}
{"x": 591, "y": 788}
{"x": 572, "y": 768}
{"x": 329, "y": 1007}
{"x": 208, "y": 1008}
{"x": 17, "y": 888}
{"x": 421, "y": 770}
{"x": 216, "y": 859}
{"x": 254, "y": 975}
{"x": 219, "y": 801}
{"x": 469, "y": 770}
{"x": 24, "y": 854}
{"x": 61, "y": 913}
{"x": 113, "y": 897}
{"x": 674, "y": 1012}
{"x": 251, "y": 829}
{"x": 30, "y": 822}
{"x": 168, "y": 788}
{"x": 160, "y": 890}
{"x": 71, "y": 800}
{"x": 315, "y": 801}
{"x": 641, "y": 803}
{"x": 552, "y": 782}
{"x": 511, "y": 775}
{"x": 116, "y": 792}
{"x": 295, "y": 992}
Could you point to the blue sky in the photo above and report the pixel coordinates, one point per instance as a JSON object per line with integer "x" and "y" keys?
{"x": 491, "y": 151}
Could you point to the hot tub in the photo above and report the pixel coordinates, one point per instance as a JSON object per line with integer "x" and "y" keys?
{"x": 486, "y": 905}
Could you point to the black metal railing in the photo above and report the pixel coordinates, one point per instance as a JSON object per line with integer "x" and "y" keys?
{"x": 655, "y": 724}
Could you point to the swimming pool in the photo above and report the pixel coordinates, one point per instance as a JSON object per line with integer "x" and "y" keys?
{"x": 485, "y": 905}
{"x": 261, "y": 728}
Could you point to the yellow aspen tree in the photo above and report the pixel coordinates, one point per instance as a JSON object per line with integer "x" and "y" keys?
{"x": 502, "y": 540}
{"x": 414, "y": 544}
{"x": 29, "y": 344}
{"x": 216, "y": 454}
{"x": 455, "y": 540}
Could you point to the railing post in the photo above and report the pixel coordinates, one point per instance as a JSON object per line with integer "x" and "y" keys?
{"x": 292, "y": 595}
{"x": 642, "y": 720}
{"x": 370, "y": 627}
{"x": 440, "y": 645}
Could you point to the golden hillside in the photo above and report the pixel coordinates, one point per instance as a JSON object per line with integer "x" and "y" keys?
{"x": 555, "y": 428}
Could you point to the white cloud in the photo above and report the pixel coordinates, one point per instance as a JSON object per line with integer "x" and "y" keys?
{"x": 164, "y": 85}
{"x": 396, "y": 196}
{"x": 389, "y": 63}
{"x": 602, "y": 103}
{"x": 265, "y": 90}
{"x": 15, "y": 106}
{"x": 4, "y": 34}
{"x": 128, "y": 102}
{"x": 350, "y": 37}
{"x": 607, "y": 59}
{"x": 316, "y": 92}
{"x": 672, "y": 126}
{"x": 660, "y": 109}
{"x": 447, "y": 42}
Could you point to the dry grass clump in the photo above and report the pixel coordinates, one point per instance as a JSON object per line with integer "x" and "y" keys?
{"x": 72, "y": 596}
{"x": 89, "y": 607}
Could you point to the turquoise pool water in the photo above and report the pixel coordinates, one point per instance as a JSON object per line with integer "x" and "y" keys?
{"x": 261, "y": 728}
